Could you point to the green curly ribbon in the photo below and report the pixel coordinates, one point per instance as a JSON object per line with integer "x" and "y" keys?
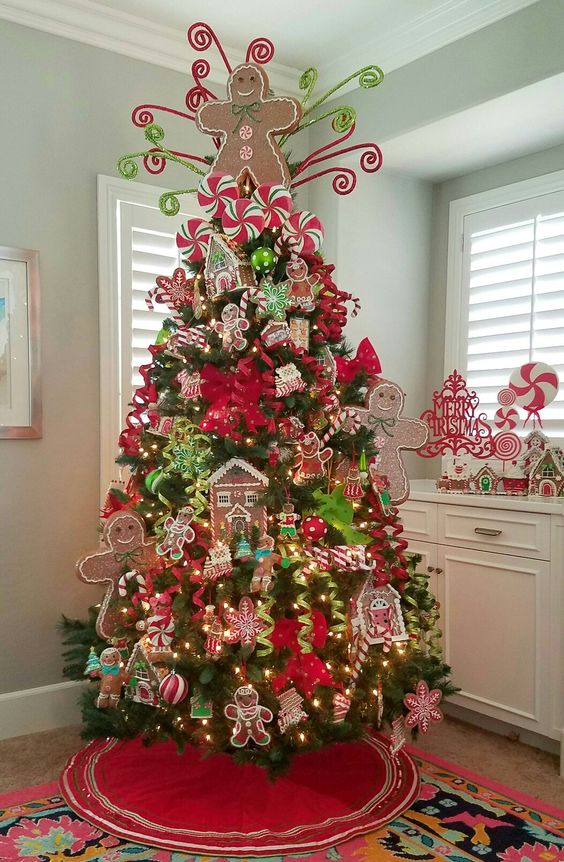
{"x": 337, "y": 606}
{"x": 169, "y": 204}
{"x": 307, "y": 82}
{"x": 305, "y": 618}
{"x": 368, "y": 76}
{"x": 421, "y": 625}
{"x": 263, "y": 613}
{"x": 344, "y": 115}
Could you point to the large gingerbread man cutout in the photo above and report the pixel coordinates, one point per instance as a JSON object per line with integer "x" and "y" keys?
{"x": 382, "y": 414}
{"x": 125, "y": 548}
{"x": 247, "y": 123}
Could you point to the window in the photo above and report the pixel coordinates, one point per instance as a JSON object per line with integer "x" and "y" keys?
{"x": 224, "y": 499}
{"x": 251, "y": 498}
{"x": 505, "y": 297}
{"x": 136, "y": 243}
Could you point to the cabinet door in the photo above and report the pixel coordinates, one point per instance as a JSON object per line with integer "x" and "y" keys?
{"x": 495, "y": 627}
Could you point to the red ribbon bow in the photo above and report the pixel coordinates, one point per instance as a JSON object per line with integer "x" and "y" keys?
{"x": 305, "y": 670}
{"x": 366, "y": 359}
{"x": 233, "y": 396}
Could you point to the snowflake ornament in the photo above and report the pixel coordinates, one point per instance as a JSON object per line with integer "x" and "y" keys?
{"x": 422, "y": 707}
{"x": 274, "y": 300}
{"x": 244, "y": 624}
{"x": 178, "y": 289}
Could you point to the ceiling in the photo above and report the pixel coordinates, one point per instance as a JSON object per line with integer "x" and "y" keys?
{"x": 333, "y": 35}
{"x": 460, "y": 143}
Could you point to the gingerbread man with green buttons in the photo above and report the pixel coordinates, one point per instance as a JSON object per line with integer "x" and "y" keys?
{"x": 247, "y": 123}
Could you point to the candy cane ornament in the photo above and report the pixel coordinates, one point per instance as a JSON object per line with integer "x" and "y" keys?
{"x": 126, "y": 578}
{"x": 349, "y": 413}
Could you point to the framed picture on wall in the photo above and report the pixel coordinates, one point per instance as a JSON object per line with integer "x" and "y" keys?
{"x": 20, "y": 389}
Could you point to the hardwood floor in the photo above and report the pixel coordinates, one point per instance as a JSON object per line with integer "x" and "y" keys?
{"x": 39, "y": 758}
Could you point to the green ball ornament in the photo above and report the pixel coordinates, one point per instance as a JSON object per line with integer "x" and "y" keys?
{"x": 153, "y": 480}
{"x": 263, "y": 260}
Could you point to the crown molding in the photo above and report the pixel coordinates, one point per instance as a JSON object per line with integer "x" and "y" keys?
{"x": 394, "y": 48}
{"x": 113, "y": 30}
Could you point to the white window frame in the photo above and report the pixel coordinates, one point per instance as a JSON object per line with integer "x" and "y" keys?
{"x": 456, "y": 322}
{"x": 111, "y": 192}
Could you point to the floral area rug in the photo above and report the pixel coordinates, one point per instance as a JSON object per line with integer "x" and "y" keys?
{"x": 459, "y": 817}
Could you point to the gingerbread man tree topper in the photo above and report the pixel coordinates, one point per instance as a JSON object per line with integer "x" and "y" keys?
{"x": 247, "y": 122}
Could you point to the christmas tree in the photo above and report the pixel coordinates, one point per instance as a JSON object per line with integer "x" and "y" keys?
{"x": 260, "y": 599}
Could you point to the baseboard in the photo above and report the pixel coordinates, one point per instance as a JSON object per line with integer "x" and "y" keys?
{"x": 528, "y": 737}
{"x": 44, "y": 708}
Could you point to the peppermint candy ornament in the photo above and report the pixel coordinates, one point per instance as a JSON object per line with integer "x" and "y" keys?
{"x": 506, "y": 418}
{"x": 215, "y": 191}
{"x": 302, "y": 233}
{"x": 535, "y": 385}
{"x": 173, "y": 688}
{"x": 243, "y": 220}
{"x": 193, "y": 239}
{"x": 276, "y": 203}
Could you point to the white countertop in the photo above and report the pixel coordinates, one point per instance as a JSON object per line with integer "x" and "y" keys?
{"x": 424, "y": 490}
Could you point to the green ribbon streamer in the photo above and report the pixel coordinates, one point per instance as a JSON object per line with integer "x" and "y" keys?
{"x": 337, "y": 606}
{"x": 263, "y": 613}
{"x": 243, "y": 111}
{"x": 307, "y": 82}
{"x": 305, "y": 618}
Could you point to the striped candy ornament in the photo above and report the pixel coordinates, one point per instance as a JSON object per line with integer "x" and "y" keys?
{"x": 215, "y": 191}
{"x": 133, "y": 575}
{"x": 160, "y": 629}
{"x": 535, "y": 385}
{"x": 242, "y": 220}
{"x": 193, "y": 239}
{"x": 173, "y": 688}
{"x": 506, "y": 418}
{"x": 276, "y": 203}
{"x": 302, "y": 233}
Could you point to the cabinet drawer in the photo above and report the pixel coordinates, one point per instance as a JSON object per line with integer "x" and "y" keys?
{"x": 523, "y": 534}
{"x": 419, "y": 520}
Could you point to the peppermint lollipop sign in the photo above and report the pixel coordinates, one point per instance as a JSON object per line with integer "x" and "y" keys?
{"x": 535, "y": 386}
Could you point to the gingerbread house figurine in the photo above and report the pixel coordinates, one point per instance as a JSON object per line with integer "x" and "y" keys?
{"x": 546, "y": 474}
{"x": 534, "y": 445}
{"x": 144, "y": 676}
{"x": 235, "y": 490}
{"x": 485, "y": 481}
{"x": 458, "y": 473}
{"x": 226, "y": 267}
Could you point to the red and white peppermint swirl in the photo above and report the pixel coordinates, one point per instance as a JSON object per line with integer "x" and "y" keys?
{"x": 505, "y": 397}
{"x": 535, "y": 385}
{"x": 506, "y": 418}
{"x": 215, "y": 191}
{"x": 243, "y": 220}
{"x": 160, "y": 628}
{"x": 193, "y": 239}
{"x": 507, "y": 446}
{"x": 302, "y": 233}
{"x": 276, "y": 203}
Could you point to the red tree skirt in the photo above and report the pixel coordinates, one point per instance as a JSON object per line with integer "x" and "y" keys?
{"x": 214, "y": 806}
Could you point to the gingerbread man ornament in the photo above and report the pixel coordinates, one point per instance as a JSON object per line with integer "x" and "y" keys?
{"x": 231, "y": 328}
{"x": 247, "y": 122}
{"x": 383, "y": 415}
{"x": 125, "y": 547}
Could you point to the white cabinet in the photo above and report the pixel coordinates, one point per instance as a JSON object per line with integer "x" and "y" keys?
{"x": 496, "y": 567}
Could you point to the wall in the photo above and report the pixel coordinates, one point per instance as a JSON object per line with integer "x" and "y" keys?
{"x": 66, "y": 108}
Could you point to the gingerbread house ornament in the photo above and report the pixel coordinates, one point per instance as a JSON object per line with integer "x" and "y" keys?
{"x": 144, "y": 676}
{"x": 546, "y": 474}
{"x": 235, "y": 490}
{"x": 485, "y": 481}
{"x": 226, "y": 268}
{"x": 376, "y": 615}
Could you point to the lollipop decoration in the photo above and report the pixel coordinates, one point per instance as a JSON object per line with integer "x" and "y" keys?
{"x": 506, "y": 418}
{"x": 535, "y": 386}
{"x": 505, "y": 397}
{"x": 276, "y": 203}
{"x": 507, "y": 446}
{"x": 302, "y": 233}
{"x": 243, "y": 220}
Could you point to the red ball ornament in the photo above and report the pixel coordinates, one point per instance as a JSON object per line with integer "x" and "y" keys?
{"x": 314, "y": 528}
{"x": 173, "y": 688}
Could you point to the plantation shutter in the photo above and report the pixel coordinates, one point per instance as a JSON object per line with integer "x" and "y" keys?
{"x": 513, "y": 298}
{"x": 148, "y": 249}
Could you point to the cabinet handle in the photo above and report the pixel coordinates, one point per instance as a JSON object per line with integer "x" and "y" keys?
{"x": 439, "y": 571}
{"x": 430, "y": 569}
{"x": 486, "y": 531}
